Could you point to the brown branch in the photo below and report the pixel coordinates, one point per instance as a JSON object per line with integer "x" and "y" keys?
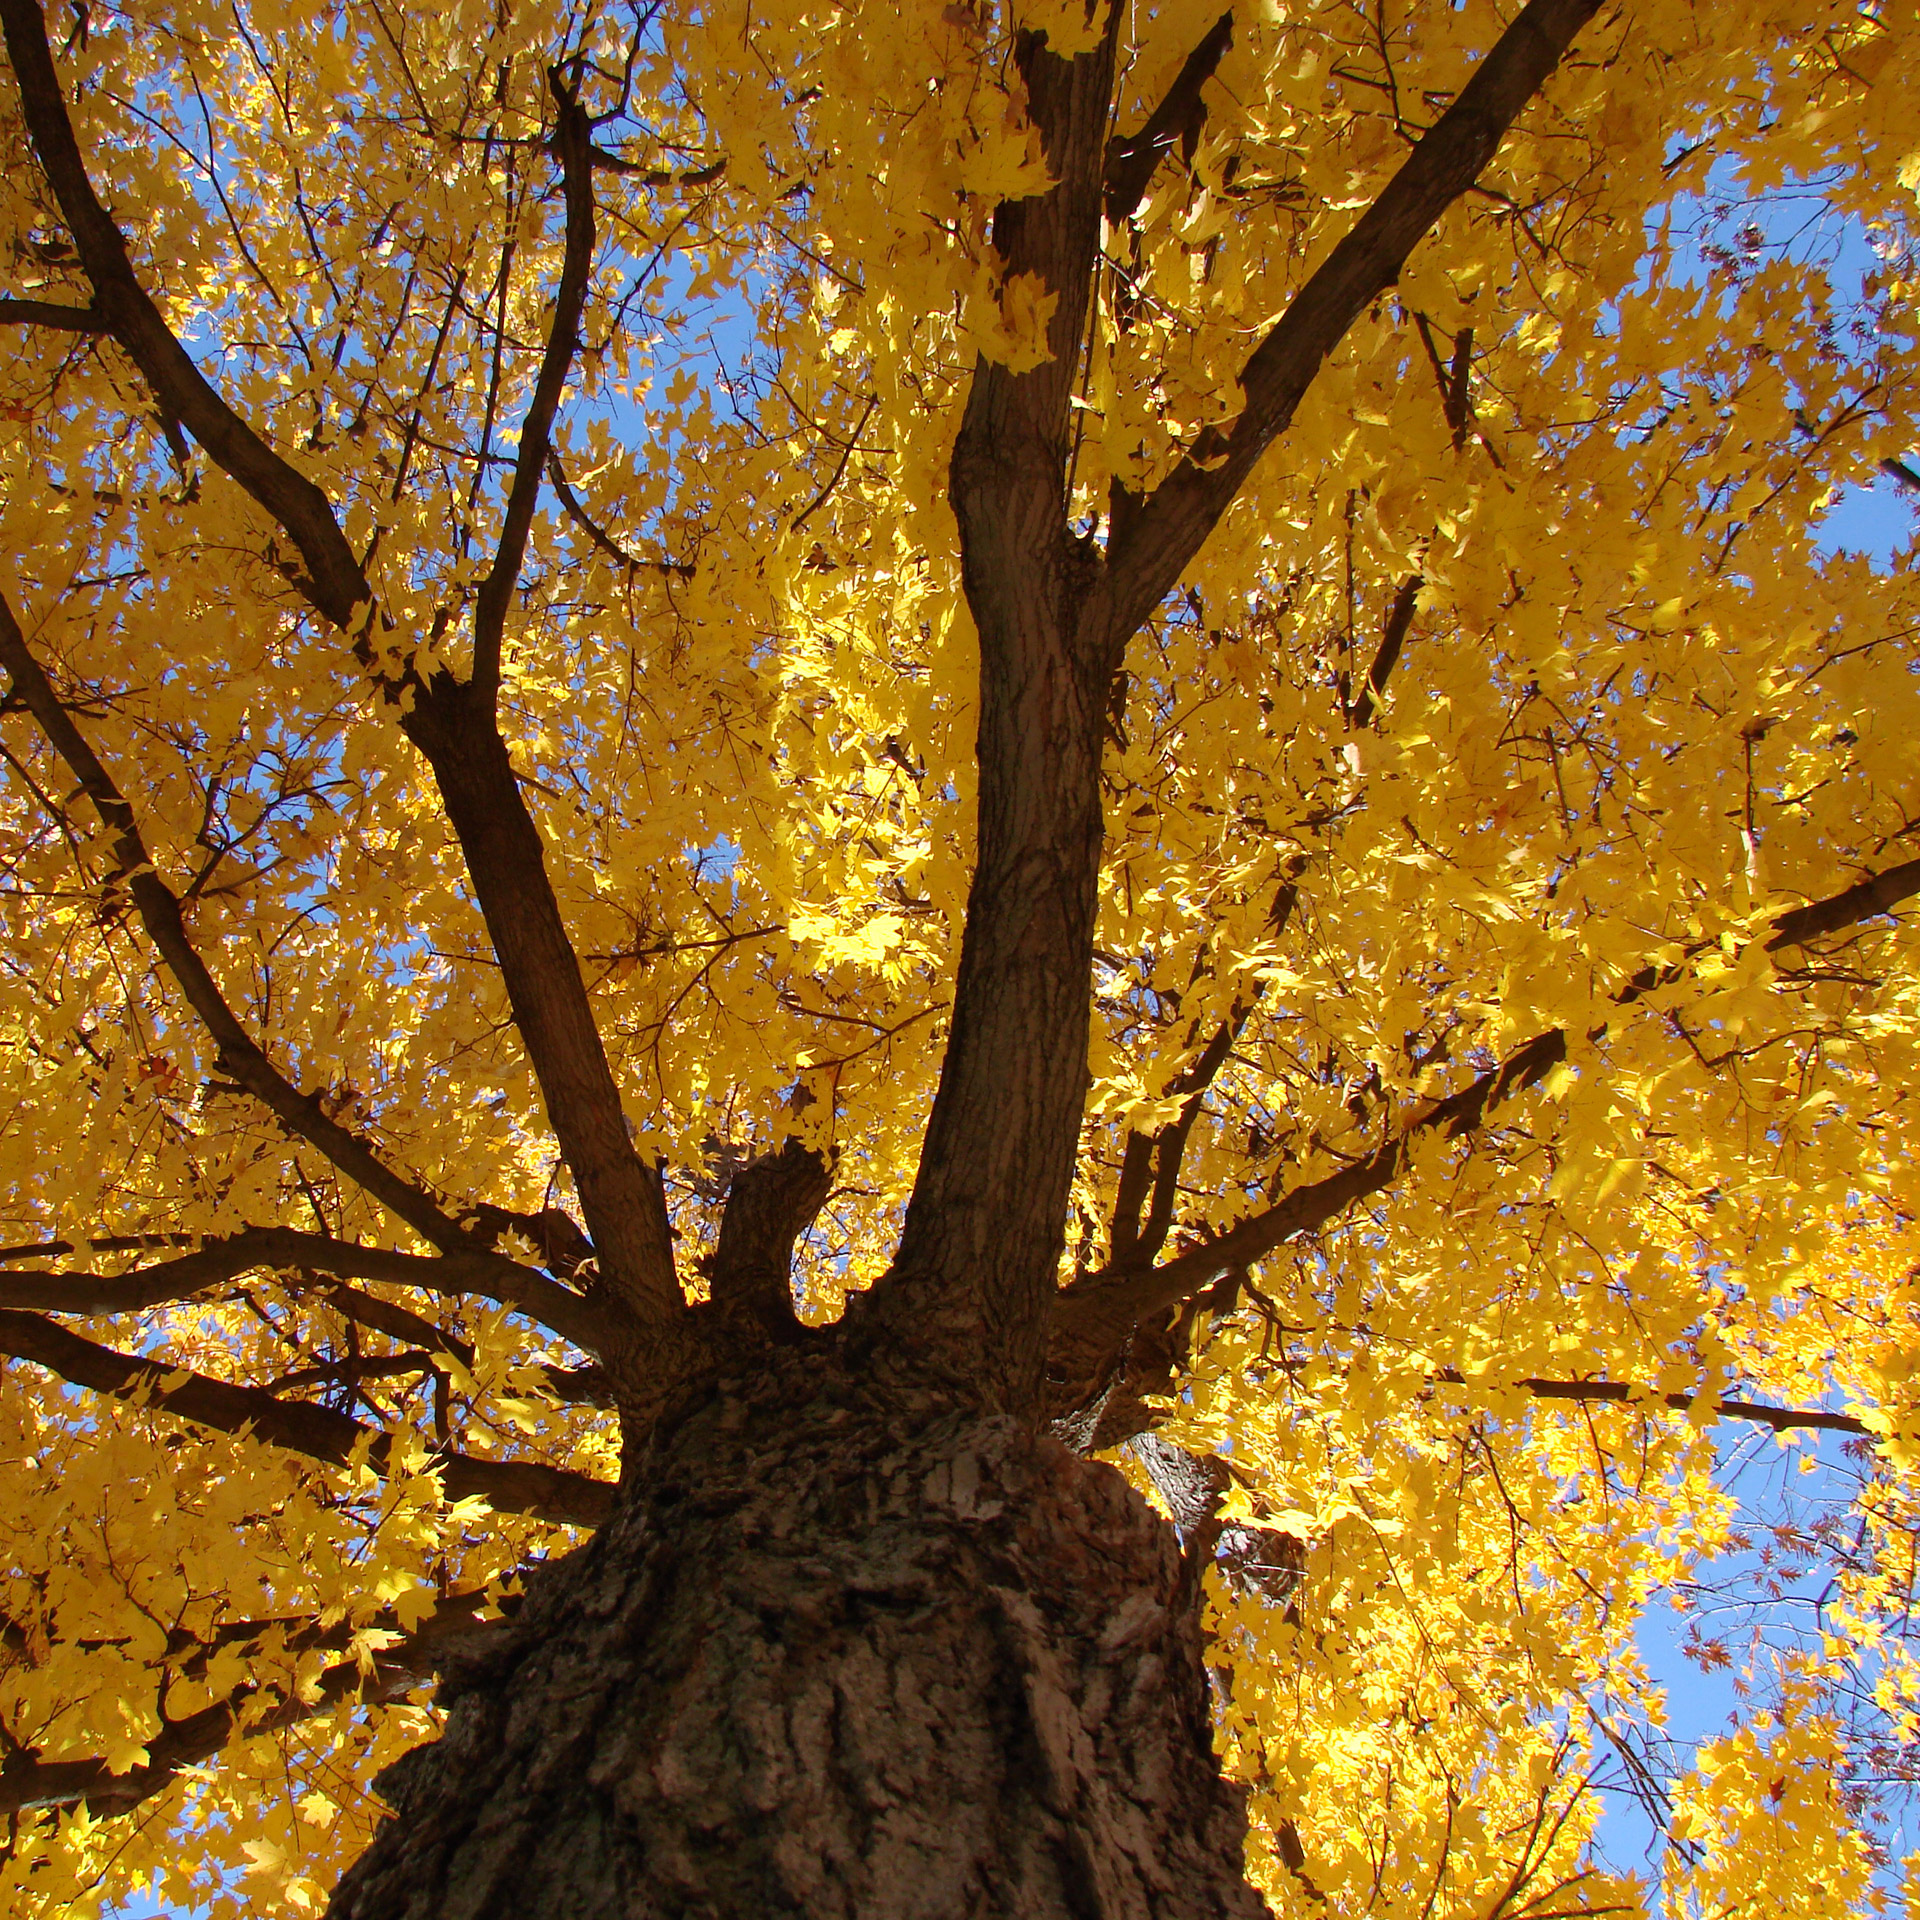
{"x": 1878, "y": 893}
{"x": 397, "y": 1323}
{"x": 620, "y": 1195}
{"x": 1130, "y": 1193}
{"x": 1455, "y": 380}
{"x": 1167, "y": 531}
{"x": 975, "y": 1269}
{"x": 1170, "y": 1141}
{"x": 572, "y": 141}
{"x": 1096, "y": 1311}
{"x": 1176, "y": 120}
{"x": 563, "y": 1248}
{"x": 1780, "y": 1419}
{"x": 317, "y": 1433}
{"x": 334, "y": 581}
{"x": 771, "y": 1202}
{"x": 1399, "y": 619}
{"x": 29, "y": 1781}
{"x": 451, "y": 723}
{"x": 159, "y": 910}
{"x": 587, "y": 1386}
{"x": 457, "y": 1275}
{"x": 103, "y": 1243}
{"x": 1151, "y": 1163}
{"x": 570, "y": 505}
{"x": 1105, "y": 1304}
{"x": 50, "y": 313}
{"x": 656, "y": 176}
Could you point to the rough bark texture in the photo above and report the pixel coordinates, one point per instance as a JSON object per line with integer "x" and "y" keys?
{"x": 980, "y": 1248}
{"x": 839, "y": 1658}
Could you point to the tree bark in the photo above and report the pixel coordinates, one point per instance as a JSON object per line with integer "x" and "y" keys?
{"x": 837, "y": 1655}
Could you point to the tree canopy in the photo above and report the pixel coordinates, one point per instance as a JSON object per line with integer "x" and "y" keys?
{"x": 519, "y": 529}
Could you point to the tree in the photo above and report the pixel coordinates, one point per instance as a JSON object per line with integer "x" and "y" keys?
{"x": 795, "y": 803}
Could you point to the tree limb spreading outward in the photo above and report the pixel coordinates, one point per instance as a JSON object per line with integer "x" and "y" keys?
{"x": 318, "y": 1433}
{"x": 573, "y": 142}
{"x": 394, "y": 1661}
{"x": 1100, "y": 1306}
{"x": 458, "y": 1274}
{"x": 451, "y": 722}
{"x": 159, "y": 910}
{"x": 1167, "y": 530}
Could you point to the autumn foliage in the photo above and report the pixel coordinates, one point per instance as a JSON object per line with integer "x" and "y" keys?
{"x": 498, "y": 510}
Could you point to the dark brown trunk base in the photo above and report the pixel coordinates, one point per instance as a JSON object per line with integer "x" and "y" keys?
{"x": 833, "y": 1661}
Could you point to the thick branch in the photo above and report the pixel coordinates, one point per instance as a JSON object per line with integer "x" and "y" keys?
{"x": 1168, "y": 531}
{"x": 1176, "y": 120}
{"x": 979, "y": 1252}
{"x": 587, "y": 1386}
{"x": 1106, "y": 1304}
{"x": 159, "y": 911}
{"x": 1133, "y": 1244}
{"x": 1878, "y": 893}
{"x": 564, "y": 1249}
{"x": 318, "y": 1433}
{"x": 620, "y": 1195}
{"x": 28, "y": 1781}
{"x": 51, "y": 313}
{"x": 457, "y": 1275}
{"x": 397, "y": 1323}
{"x": 451, "y": 724}
{"x": 572, "y": 141}
{"x": 771, "y": 1202}
{"x": 1094, "y": 1313}
{"x": 1399, "y": 620}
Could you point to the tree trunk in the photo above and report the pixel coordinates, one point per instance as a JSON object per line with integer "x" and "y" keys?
{"x": 833, "y": 1657}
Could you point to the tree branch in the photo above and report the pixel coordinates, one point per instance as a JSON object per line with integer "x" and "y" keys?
{"x": 975, "y": 1270}
{"x": 1093, "y": 1314}
{"x": 1177, "y": 119}
{"x": 1134, "y": 1241}
{"x": 573, "y": 142}
{"x": 457, "y": 1275}
{"x": 571, "y": 506}
{"x": 771, "y": 1202}
{"x": 159, "y": 910}
{"x": 50, "y": 313}
{"x": 318, "y": 1433}
{"x": 1878, "y": 893}
{"x": 1897, "y": 469}
{"x": 587, "y": 1386}
{"x": 1399, "y": 620}
{"x": 334, "y": 582}
{"x": 1780, "y": 1419}
{"x": 452, "y": 724}
{"x": 397, "y": 1323}
{"x": 1167, "y": 531}
{"x": 563, "y": 1248}
{"x": 29, "y": 1781}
